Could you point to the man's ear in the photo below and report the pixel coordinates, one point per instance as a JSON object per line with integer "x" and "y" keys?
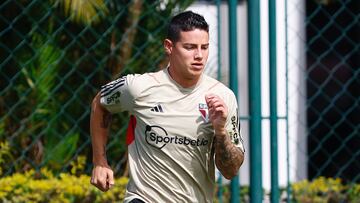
{"x": 168, "y": 45}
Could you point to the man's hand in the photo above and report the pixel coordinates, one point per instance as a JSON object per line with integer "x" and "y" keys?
{"x": 228, "y": 158}
{"x": 102, "y": 177}
{"x": 218, "y": 112}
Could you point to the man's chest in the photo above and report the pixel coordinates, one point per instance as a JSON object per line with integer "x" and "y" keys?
{"x": 179, "y": 120}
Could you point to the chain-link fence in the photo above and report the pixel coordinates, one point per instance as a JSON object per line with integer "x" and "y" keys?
{"x": 54, "y": 57}
{"x": 330, "y": 86}
{"x": 55, "y": 54}
{"x": 333, "y": 93}
{"x": 324, "y": 56}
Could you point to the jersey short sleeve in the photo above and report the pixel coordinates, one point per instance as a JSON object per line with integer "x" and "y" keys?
{"x": 233, "y": 124}
{"x": 118, "y": 95}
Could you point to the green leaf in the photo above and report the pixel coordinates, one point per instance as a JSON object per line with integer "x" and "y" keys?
{"x": 83, "y": 11}
{"x": 57, "y": 154}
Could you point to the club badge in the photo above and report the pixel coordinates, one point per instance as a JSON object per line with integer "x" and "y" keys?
{"x": 203, "y": 108}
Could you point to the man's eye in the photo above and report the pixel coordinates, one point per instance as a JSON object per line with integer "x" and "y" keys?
{"x": 188, "y": 47}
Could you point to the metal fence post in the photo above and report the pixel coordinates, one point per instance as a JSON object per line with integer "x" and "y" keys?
{"x": 256, "y": 193}
{"x": 219, "y": 77}
{"x": 273, "y": 103}
{"x": 234, "y": 186}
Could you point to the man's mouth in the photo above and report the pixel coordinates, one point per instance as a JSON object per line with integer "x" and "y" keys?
{"x": 197, "y": 65}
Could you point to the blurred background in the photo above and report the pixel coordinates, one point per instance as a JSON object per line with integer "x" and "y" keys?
{"x": 293, "y": 64}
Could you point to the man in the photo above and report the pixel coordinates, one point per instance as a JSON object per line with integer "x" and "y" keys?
{"x": 184, "y": 123}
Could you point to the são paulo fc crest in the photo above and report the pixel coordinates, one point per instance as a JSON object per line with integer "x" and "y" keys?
{"x": 203, "y": 108}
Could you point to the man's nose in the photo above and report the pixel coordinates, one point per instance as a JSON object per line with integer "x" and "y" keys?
{"x": 198, "y": 54}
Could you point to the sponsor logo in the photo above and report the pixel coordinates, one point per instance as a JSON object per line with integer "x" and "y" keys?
{"x": 158, "y": 137}
{"x": 114, "y": 98}
{"x": 234, "y": 129}
{"x": 203, "y": 108}
{"x": 157, "y": 108}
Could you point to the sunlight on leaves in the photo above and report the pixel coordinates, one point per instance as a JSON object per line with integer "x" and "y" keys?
{"x": 83, "y": 11}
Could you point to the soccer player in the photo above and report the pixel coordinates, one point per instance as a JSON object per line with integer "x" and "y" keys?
{"x": 183, "y": 123}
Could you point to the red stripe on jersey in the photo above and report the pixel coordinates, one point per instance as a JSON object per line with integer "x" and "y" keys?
{"x": 130, "y": 132}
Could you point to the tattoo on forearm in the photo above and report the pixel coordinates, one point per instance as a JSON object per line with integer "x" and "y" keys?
{"x": 228, "y": 156}
{"x": 106, "y": 120}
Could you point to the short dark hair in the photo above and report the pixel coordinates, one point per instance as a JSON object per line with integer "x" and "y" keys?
{"x": 185, "y": 21}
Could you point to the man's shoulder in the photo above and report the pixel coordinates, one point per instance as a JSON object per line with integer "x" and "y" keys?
{"x": 216, "y": 86}
{"x": 147, "y": 78}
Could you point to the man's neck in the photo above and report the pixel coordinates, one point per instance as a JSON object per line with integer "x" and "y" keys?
{"x": 183, "y": 82}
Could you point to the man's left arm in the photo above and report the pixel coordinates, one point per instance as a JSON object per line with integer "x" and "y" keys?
{"x": 228, "y": 157}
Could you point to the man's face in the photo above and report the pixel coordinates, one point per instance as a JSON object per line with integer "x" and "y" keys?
{"x": 188, "y": 56}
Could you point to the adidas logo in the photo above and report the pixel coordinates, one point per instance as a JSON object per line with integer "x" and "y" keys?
{"x": 157, "y": 108}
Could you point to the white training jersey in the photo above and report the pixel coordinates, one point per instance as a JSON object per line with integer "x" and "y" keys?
{"x": 171, "y": 153}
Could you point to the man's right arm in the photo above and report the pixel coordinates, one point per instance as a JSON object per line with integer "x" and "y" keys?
{"x": 102, "y": 176}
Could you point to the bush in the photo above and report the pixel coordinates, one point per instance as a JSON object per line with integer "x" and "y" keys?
{"x": 44, "y": 187}
{"x": 324, "y": 190}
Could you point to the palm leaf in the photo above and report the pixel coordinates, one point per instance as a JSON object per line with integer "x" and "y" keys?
{"x": 83, "y": 11}
{"x": 57, "y": 154}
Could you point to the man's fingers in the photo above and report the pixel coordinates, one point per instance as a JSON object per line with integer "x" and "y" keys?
{"x": 214, "y": 101}
{"x": 210, "y": 96}
{"x": 216, "y": 104}
{"x": 103, "y": 184}
{"x": 217, "y": 107}
{"x": 92, "y": 181}
{"x": 218, "y": 112}
{"x": 111, "y": 181}
{"x": 100, "y": 183}
{"x": 102, "y": 178}
{"x": 103, "y": 189}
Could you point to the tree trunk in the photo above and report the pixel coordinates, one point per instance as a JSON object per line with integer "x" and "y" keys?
{"x": 128, "y": 37}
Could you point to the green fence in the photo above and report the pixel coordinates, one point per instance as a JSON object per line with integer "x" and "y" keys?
{"x": 54, "y": 57}
{"x": 329, "y": 71}
{"x": 55, "y": 54}
{"x": 333, "y": 93}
